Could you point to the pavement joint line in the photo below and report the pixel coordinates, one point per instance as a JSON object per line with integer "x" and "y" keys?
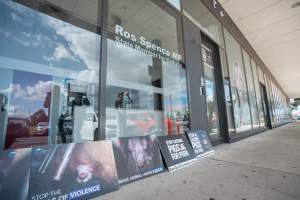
{"x": 291, "y": 173}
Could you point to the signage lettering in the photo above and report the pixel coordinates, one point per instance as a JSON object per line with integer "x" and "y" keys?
{"x": 140, "y": 42}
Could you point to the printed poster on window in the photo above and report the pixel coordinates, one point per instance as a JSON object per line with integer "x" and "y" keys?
{"x": 14, "y": 174}
{"x": 72, "y": 171}
{"x": 200, "y": 143}
{"x": 177, "y": 151}
{"x": 137, "y": 158}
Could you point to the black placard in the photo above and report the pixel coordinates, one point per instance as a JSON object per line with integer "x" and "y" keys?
{"x": 72, "y": 171}
{"x": 137, "y": 158}
{"x": 14, "y": 174}
{"x": 200, "y": 143}
{"x": 177, "y": 151}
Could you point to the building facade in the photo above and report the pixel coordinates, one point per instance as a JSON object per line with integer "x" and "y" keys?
{"x": 77, "y": 70}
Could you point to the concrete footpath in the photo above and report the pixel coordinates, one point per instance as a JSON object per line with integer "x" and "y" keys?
{"x": 264, "y": 166}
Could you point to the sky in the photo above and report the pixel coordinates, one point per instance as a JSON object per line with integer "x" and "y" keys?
{"x": 29, "y": 91}
{"x": 28, "y": 35}
{"x": 34, "y": 41}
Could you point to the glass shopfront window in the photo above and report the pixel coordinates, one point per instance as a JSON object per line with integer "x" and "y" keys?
{"x": 44, "y": 65}
{"x": 238, "y": 84}
{"x": 146, "y": 80}
{"x": 260, "y": 75}
{"x": 211, "y": 92}
{"x": 273, "y": 102}
{"x": 263, "y": 109}
{"x": 251, "y": 90}
{"x": 280, "y": 107}
{"x": 258, "y": 95}
{"x": 267, "y": 82}
{"x": 276, "y": 109}
{"x": 200, "y": 15}
{"x": 229, "y": 107}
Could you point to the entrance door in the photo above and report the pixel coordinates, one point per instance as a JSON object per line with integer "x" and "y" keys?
{"x": 265, "y": 103}
{"x": 211, "y": 92}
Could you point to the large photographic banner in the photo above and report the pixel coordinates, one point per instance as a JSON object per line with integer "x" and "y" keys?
{"x": 14, "y": 174}
{"x": 72, "y": 171}
{"x": 137, "y": 158}
{"x": 177, "y": 151}
{"x": 200, "y": 143}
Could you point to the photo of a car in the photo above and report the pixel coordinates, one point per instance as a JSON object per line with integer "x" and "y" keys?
{"x": 42, "y": 129}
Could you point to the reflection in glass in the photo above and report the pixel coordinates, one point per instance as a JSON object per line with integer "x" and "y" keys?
{"x": 251, "y": 90}
{"x": 238, "y": 84}
{"x": 257, "y": 90}
{"x": 150, "y": 100}
{"x": 49, "y": 74}
{"x": 262, "y": 117}
{"x": 267, "y": 82}
{"x": 258, "y": 95}
{"x": 146, "y": 87}
{"x": 279, "y": 105}
{"x": 229, "y": 107}
{"x": 210, "y": 91}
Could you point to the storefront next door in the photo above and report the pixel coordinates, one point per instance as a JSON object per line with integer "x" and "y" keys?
{"x": 210, "y": 92}
{"x": 265, "y": 105}
{"x": 205, "y": 84}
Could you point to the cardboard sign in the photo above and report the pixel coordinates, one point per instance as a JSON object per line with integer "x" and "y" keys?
{"x": 137, "y": 158}
{"x": 200, "y": 143}
{"x": 14, "y": 174}
{"x": 177, "y": 151}
{"x": 72, "y": 171}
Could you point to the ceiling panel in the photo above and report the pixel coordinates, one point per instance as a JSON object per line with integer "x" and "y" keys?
{"x": 271, "y": 16}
